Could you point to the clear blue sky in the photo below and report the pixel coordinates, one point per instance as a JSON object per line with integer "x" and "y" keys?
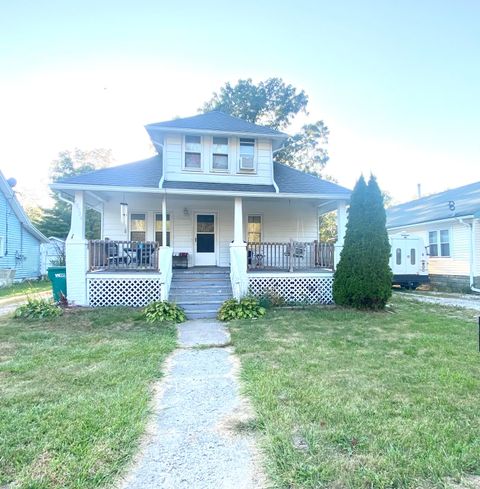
{"x": 398, "y": 83}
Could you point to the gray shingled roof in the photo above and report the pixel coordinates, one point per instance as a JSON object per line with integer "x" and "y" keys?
{"x": 290, "y": 180}
{"x": 147, "y": 173}
{"x": 223, "y": 187}
{"x": 217, "y": 121}
{"x": 144, "y": 173}
{"x": 436, "y": 207}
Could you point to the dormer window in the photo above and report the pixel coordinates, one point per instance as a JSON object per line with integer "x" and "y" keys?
{"x": 193, "y": 153}
{"x": 247, "y": 154}
{"x": 220, "y": 154}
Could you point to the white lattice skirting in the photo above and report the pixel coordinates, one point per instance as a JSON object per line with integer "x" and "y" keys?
{"x": 131, "y": 292}
{"x": 296, "y": 290}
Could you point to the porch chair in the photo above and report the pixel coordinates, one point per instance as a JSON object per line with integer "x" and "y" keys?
{"x": 112, "y": 255}
{"x": 144, "y": 253}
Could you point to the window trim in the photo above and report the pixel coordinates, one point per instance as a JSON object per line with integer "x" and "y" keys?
{"x": 255, "y": 146}
{"x": 220, "y": 170}
{"x": 184, "y": 150}
{"x": 129, "y": 235}
{"x": 169, "y": 214}
{"x": 439, "y": 242}
{"x": 255, "y": 214}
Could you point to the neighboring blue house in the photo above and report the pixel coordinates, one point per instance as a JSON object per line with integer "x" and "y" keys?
{"x": 19, "y": 240}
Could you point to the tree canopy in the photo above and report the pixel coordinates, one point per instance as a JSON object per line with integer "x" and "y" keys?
{"x": 55, "y": 221}
{"x": 275, "y": 104}
{"x": 363, "y": 278}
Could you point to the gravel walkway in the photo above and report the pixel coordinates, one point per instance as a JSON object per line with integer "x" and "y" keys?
{"x": 192, "y": 442}
{"x": 461, "y": 300}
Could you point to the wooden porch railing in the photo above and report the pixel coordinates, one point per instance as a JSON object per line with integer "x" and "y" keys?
{"x": 110, "y": 255}
{"x": 291, "y": 256}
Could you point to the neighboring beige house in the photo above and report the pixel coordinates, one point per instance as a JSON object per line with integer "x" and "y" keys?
{"x": 448, "y": 224}
{"x": 212, "y": 200}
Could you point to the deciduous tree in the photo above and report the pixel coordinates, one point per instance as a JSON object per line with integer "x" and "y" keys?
{"x": 55, "y": 221}
{"x": 275, "y": 104}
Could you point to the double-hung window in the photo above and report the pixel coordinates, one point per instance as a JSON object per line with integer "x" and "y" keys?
{"x": 138, "y": 227}
{"x": 159, "y": 228}
{"x": 439, "y": 242}
{"x": 193, "y": 153}
{"x": 220, "y": 154}
{"x": 247, "y": 154}
{"x": 254, "y": 229}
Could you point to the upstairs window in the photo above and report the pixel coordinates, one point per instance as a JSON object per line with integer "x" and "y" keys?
{"x": 138, "y": 227}
{"x": 439, "y": 242}
{"x": 159, "y": 227}
{"x": 220, "y": 154}
{"x": 247, "y": 154}
{"x": 254, "y": 229}
{"x": 193, "y": 152}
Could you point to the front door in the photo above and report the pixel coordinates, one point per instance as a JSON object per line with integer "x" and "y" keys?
{"x": 205, "y": 252}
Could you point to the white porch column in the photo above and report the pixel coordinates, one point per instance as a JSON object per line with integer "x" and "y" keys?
{"x": 77, "y": 253}
{"x": 238, "y": 253}
{"x": 164, "y": 221}
{"x": 341, "y": 226}
{"x": 238, "y": 221}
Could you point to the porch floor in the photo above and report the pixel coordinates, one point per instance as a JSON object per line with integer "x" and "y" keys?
{"x": 283, "y": 271}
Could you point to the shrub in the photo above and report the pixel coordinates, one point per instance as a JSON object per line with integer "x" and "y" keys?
{"x": 164, "y": 311}
{"x": 246, "y": 308}
{"x": 363, "y": 278}
{"x": 38, "y": 309}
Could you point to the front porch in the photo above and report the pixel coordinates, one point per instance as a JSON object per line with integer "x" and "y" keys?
{"x": 269, "y": 247}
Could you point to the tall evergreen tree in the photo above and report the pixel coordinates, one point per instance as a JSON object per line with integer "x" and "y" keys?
{"x": 363, "y": 278}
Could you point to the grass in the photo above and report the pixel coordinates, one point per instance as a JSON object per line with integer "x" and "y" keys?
{"x": 348, "y": 399}
{"x": 22, "y": 288}
{"x": 75, "y": 396}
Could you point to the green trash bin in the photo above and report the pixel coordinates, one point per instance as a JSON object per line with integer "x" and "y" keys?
{"x": 58, "y": 277}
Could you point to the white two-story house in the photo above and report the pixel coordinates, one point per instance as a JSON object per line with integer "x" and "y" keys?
{"x": 210, "y": 216}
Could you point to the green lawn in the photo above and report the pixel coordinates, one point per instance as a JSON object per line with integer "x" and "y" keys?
{"x": 75, "y": 396}
{"x": 23, "y": 288}
{"x": 350, "y": 399}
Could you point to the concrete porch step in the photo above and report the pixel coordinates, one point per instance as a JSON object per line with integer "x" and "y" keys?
{"x": 201, "y": 291}
{"x": 193, "y": 284}
{"x": 201, "y": 276}
{"x": 202, "y": 315}
{"x": 199, "y": 297}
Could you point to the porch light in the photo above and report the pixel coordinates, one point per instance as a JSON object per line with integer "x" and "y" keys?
{"x": 185, "y": 212}
{"x": 124, "y": 214}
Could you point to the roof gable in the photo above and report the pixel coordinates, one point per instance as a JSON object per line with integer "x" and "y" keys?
{"x": 436, "y": 207}
{"x": 217, "y": 121}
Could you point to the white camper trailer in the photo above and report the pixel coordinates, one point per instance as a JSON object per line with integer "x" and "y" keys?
{"x": 408, "y": 261}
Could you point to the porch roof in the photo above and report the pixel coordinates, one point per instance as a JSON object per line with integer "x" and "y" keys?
{"x": 148, "y": 174}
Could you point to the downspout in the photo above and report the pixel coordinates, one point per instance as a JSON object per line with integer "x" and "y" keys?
{"x": 277, "y": 190}
{"x": 472, "y": 228}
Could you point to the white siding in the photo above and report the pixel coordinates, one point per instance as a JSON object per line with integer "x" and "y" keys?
{"x": 459, "y": 261}
{"x": 281, "y": 219}
{"x": 174, "y": 163}
{"x": 477, "y": 249}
